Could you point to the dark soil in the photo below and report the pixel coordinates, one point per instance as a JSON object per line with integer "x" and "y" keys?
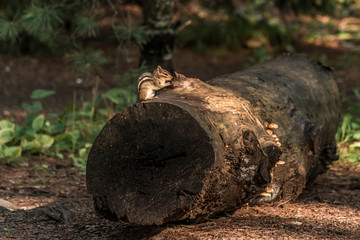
{"x": 54, "y": 204}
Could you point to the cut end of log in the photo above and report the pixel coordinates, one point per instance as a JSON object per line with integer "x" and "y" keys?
{"x": 145, "y": 157}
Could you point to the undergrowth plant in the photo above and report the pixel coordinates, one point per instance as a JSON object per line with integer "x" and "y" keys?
{"x": 53, "y": 134}
{"x": 348, "y": 134}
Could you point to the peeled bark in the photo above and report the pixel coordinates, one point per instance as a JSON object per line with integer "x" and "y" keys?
{"x": 203, "y": 148}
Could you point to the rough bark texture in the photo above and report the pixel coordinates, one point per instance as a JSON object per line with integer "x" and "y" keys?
{"x": 157, "y": 17}
{"x": 203, "y": 148}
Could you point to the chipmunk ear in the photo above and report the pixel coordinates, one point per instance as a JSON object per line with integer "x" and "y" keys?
{"x": 157, "y": 69}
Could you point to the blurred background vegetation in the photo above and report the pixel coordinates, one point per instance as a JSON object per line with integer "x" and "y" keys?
{"x": 93, "y": 36}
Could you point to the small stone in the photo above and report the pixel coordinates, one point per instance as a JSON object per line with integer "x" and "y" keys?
{"x": 297, "y": 223}
{"x": 8, "y": 205}
{"x": 79, "y": 80}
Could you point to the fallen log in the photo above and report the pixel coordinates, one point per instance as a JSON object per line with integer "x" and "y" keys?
{"x": 202, "y": 148}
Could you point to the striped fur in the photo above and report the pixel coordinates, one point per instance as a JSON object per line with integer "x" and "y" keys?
{"x": 147, "y": 76}
{"x": 149, "y": 83}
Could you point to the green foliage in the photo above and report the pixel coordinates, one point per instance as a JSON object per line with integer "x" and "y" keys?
{"x": 40, "y": 170}
{"x": 10, "y": 30}
{"x": 348, "y": 134}
{"x": 41, "y": 93}
{"x": 34, "y": 107}
{"x": 258, "y": 21}
{"x": 87, "y": 60}
{"x": 42, "y": 17}
{"x": 129, "y": 34}
{"x": 258, "y": 55}
{"x": 250, "y": 22}
{"x": 72, "y": 132}
{"x": 86, "y": 26}
{"x": 119, "y": 96}
{"x": 36, "y": 26}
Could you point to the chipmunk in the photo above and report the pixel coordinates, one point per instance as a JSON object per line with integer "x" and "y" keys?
{"x": 149, "y": 83}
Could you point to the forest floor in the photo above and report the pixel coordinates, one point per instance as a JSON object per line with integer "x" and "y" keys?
{"x": 328, "y": 209}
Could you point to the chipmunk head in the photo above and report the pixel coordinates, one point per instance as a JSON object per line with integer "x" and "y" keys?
{"x": 162, "y": 76}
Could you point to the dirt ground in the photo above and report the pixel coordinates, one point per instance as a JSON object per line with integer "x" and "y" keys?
{"x": 329, "y": 209}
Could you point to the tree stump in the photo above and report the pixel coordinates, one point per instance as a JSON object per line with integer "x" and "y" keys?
{"x": 203, "y": 148}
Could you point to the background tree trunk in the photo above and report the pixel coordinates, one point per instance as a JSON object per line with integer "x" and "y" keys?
{"x": 157, "y": 17}
{"x": 203, "y": 148}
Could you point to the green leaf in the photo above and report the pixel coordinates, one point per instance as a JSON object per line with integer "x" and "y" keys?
{"x": 54, "y": 154}
{"x": 20, "y": 132}
{"x": 86, "y": 26}
{"x": 356, "y": 135}
{"x": 83, "y": 152}
{"x": 6, "y": 135}
{"x": 63, "y": 141}
{"x": 46, "y": 141}
{"x": 38, "y": 122}
{"x": 357, "y": 94}
{"x": 35, "y": 107}
{"x": 29, "y": 119}
{"x": 355, "y": 145}
{"x": 81, "y": 160}
{"x": 105, "y": 112}
{"x": 60, "y": 155}
{"x": 2, "y": 148}
{"x": 41, "y": 18}
{"x": 54, "y": 128}
{"x": 13, "y": 152}
{"x": 30, "y": 133}
{"x": 33, "y": 146}
{"x": 74, "y": 138}
{"x": 345, "y": 127}
{"x": 41, "y": 93}
{"x": 6, "y": 124}
{"x": 353, "y": 157}
{"x": 10, "y": 30}
{"x": 115, "y": 95}
{"x": 88, "y": 145}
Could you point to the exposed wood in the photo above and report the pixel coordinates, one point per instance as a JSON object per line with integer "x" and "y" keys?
{"x": 203, "y": 148}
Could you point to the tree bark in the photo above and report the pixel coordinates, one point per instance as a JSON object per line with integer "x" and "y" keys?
{"x": 202, "y": 148}
{"x": 157, "y": 17}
